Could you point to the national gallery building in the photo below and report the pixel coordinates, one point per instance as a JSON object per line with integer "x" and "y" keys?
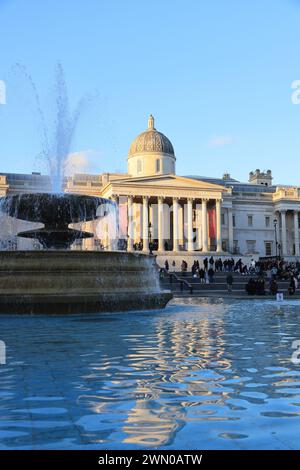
{"x": 180, "y": 217}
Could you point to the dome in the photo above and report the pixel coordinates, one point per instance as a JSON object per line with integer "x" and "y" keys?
{"x": 151, "y": 141}
{"x": 151, "y": 153}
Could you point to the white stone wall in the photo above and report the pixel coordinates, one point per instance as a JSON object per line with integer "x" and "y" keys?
{"x": 258, "y": 232}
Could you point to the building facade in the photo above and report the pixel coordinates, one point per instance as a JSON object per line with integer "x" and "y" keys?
{"x": 180, "y": 216}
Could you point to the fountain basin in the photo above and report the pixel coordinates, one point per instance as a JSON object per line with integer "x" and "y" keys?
{"x": 66, "y": 281}
{"x": 56, "y": 211}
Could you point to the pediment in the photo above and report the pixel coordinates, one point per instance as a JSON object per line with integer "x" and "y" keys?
{"x": 172, "y": 181}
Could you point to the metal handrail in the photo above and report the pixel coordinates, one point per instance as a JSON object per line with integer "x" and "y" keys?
{"x": 183, "y": 282}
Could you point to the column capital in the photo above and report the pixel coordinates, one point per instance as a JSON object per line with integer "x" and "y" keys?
{"x": 160, "y": 198}
{"x": 145, "y": 198}
{"x": 130, "y": 198}
{"x": 175, "y": 198}
{"x": 205, "y": 199}
{"x": 190, "y": 199}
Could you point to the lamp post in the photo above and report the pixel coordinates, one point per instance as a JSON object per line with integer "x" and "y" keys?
{"x": 150, "y": 237}
{"x": 276, "y": 242}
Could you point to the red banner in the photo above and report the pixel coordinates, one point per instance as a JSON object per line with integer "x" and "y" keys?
{"x": 212, "y": 222}
{"x": 123, "y": 221}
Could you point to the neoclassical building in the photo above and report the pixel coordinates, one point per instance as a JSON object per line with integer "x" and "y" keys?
{"x": 182, "y": 216}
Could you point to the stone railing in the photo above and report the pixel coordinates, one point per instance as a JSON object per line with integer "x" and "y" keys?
{"x": 287, "y": 193}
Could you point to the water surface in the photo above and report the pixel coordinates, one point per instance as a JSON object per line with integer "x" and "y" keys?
{"x": 202, "y": 375}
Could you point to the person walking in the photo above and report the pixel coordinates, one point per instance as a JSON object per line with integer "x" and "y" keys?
{"x": 273, "y": 287}
{"x": 292, "y": 286}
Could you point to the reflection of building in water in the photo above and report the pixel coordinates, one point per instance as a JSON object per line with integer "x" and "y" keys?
{"x": 175, "y": 357}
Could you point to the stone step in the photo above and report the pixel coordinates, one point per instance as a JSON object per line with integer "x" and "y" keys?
{"x": 235, "y": 295}
{"x": 215, "y": 281}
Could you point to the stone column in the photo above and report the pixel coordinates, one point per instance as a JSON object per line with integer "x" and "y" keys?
{"x": 115, "y": 232}
{"x": 190, "y": 233}
{"x": 160, "y": 217}
{"x": 88, "y": 243}
{"x": 219, "y": 225}
{"x": 296, "y": 228}
{"x": 204, "y": 226}
{"x": 180, "y": 225}
{"x": 145, "y": 225}
{"x": 283, "y": 233}
{"x": 175, "y": 225}
{"x": 198, "y": 228}
{"x": 230, "y": 231}
{"x": 130, "y": 231}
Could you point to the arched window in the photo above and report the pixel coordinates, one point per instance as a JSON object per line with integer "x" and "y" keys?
{"x": 157, "y": 165}
{"x": 139, "y": 166}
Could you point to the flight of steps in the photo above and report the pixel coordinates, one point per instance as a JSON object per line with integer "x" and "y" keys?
{"x": 185, "y": 285}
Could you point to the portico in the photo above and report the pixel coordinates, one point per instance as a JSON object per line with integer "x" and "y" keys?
{"x": 287, "y": 210}
{"x": 159, "y": 215}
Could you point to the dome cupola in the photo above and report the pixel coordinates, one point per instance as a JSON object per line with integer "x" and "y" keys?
{"x": 151, "y": 153}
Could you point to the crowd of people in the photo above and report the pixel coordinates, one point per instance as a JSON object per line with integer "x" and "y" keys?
{"x": 274, "y": 271}
{"x": 264, "y": 275}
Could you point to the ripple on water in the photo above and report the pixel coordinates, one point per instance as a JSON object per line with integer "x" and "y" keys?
{"x": 209, "y": 375}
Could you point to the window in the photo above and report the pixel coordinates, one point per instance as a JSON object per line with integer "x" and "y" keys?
{"x": 250, "y": 220}
{"x": 250, "y": 246}
{"x": 268, "y": 248}
{"x": 267, "y": 220}
{"x": 139, "y": 166}
{"x": 157, "y": 166}
{"x": 233, "y": 220}
{"x": 223, "y": 219}
{"x": 236, "y": 248}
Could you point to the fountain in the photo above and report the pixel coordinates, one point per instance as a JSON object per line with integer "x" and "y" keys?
{"x": 56, "y": 212}
{"x": 57, "y": 279}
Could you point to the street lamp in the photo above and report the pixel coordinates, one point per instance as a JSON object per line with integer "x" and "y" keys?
{"x": 276, "y": 242}
{"x": 150, "y": 237}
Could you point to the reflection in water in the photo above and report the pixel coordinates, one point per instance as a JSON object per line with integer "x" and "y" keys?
{"x": 202, "y": 375}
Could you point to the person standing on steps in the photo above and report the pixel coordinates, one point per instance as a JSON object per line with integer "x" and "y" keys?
{"x": 229, "y": 281}
{"x": 211, "y": 273}
{"x": 202, "y": 275}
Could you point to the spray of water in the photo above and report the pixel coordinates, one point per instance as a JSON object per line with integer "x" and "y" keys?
{"x": 56, "y": 144}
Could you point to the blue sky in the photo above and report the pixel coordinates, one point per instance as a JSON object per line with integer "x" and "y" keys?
{"x": 215, "y": 74}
